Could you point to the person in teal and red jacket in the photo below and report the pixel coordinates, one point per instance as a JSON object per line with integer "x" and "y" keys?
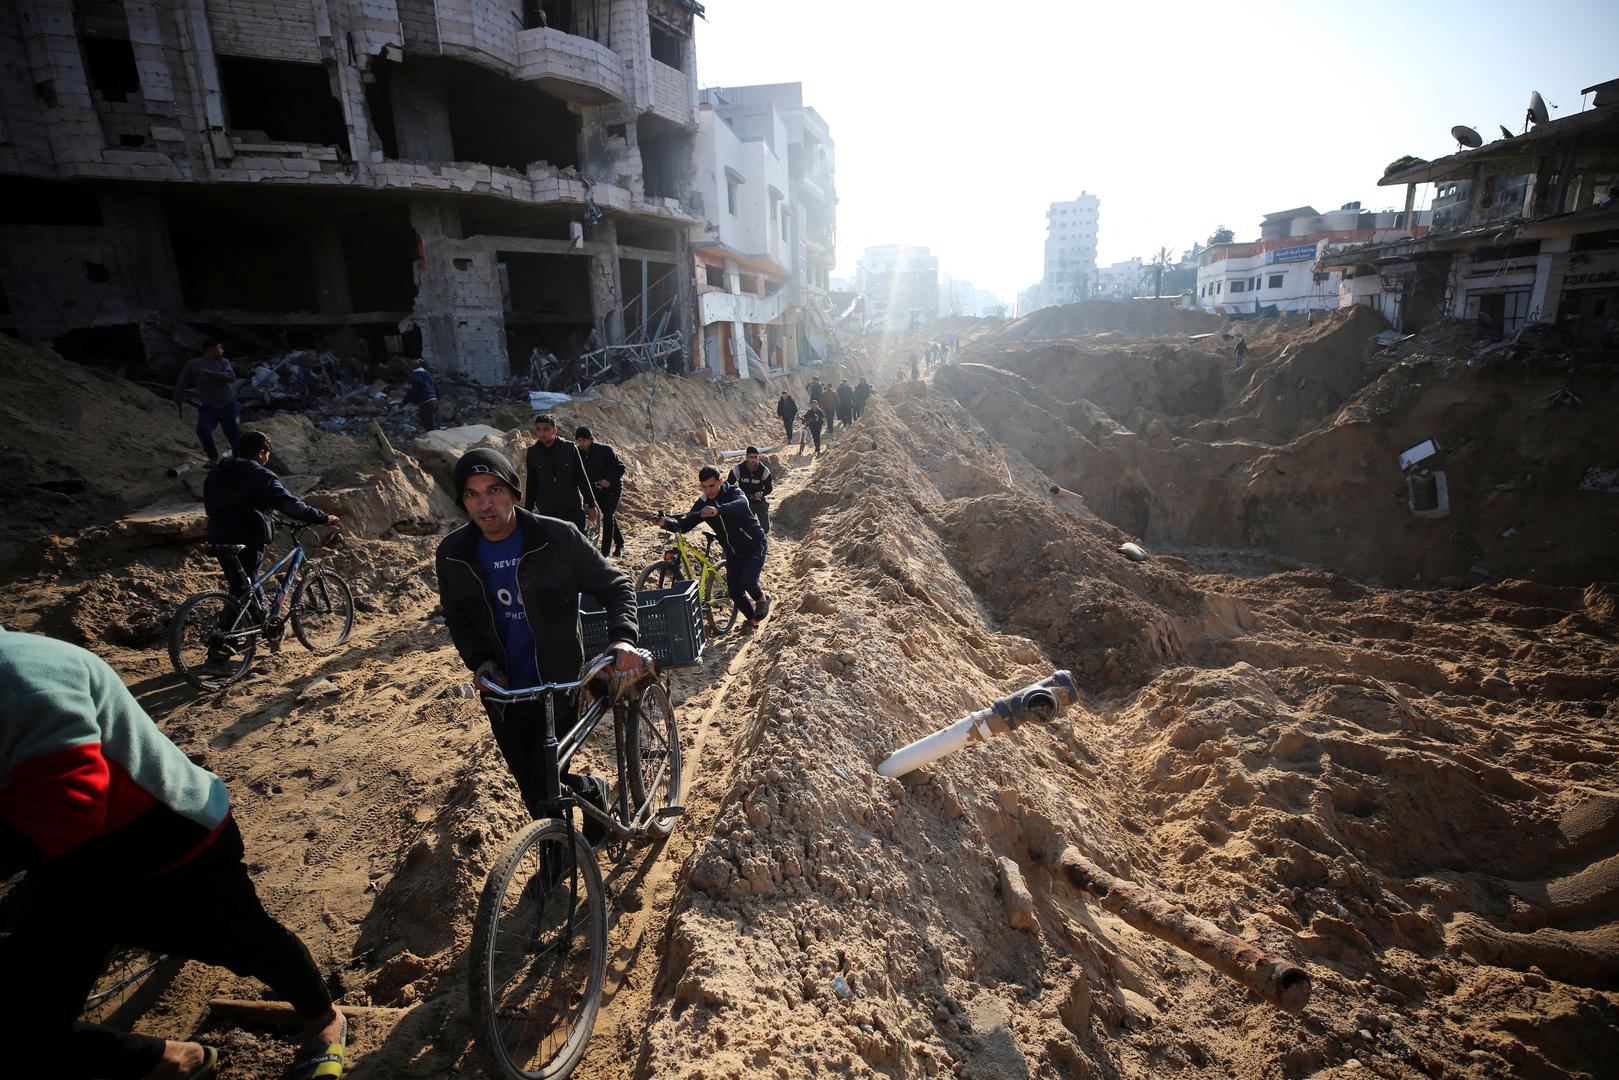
{"x": 125, "y": 842}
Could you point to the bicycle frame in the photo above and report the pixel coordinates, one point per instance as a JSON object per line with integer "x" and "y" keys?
{"x": 556, "y": 754}
{"x": 695, "y": 565}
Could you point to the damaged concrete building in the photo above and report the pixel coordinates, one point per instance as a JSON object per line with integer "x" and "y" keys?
{"x": 1525, "y": 230}
{"x": 459, "y": 180}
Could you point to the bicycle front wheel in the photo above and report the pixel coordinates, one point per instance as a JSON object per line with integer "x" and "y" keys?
{"x": 539, "y": 952}
{"x": 322, "y": 611}
{"x": 652, "y": 750}
{"x": 718, "y": 608}
{"x": 212, "y": 640}
{"x": 659, "y": 574}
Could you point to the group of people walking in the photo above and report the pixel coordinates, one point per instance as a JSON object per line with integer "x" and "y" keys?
{"x": 829, "y": 406}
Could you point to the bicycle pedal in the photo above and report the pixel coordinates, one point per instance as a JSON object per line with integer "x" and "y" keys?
{"x": 669, "y": 812}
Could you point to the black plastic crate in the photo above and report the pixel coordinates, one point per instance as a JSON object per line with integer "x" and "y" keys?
{"x": 671, "y": 623}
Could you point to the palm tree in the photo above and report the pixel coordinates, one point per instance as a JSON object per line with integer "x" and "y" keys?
{"x": 1161, "y": 263}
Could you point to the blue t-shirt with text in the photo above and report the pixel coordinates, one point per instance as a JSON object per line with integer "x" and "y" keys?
{"x": 499, "y": 560}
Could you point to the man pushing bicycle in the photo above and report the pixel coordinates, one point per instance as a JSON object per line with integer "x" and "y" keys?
{"x": 725, "y": 510}
{"x": 509, "y": 582}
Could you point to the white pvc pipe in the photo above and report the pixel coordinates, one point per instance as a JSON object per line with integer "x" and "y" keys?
{"x": 931, "y": 748}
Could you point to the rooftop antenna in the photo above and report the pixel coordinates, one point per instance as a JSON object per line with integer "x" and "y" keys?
{"x": 1505, "y": 134}
{"x": 1536, "y": 114}
{"x": 1466, "y": 138}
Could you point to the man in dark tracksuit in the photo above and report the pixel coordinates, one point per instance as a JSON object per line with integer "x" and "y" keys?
{"x": 422, "y": 392}
{"x": 862, "y": 394}
{"x": 828, "y": 401}
{"x": 724, "y": 509}
{"x": 238, "y": 497}
{"x": 787, "y": 409}
{"x": 509, "y": 583}
{"x": 753, "y": 477}
{"x": 555, "y": 475}
{"x": 605, "y": 472}
{"x": 813, "y": 419}
{"x": 845, "y": 403}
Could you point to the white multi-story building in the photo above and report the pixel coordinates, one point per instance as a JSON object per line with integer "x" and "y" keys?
{"x": 744, "y": 250}
{"x": 1070, "y": 266}
{"x": 900, "y": 284}
{"x": 1278, "y": 271}
{"x": 1120, "y": 280}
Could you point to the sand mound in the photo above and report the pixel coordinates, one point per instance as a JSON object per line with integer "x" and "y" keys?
{"x": 1138, "y": 317}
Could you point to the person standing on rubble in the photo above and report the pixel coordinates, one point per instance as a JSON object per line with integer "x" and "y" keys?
{"x": 915, "y": 372}
{"x": 753, "y": 477}
{"x": 845, "y": 403}
{"x": 422, "y": 392}
{"x": 724, "y": 509}
{"x": 125, "y": 842}
{"x": 829, "y": 407}
{"x": 862, "y": 394}
{"x": 556, "y": 484}
{"x": 1241, "y": 350}
{"x": 813, "y": 419}
{"x": 215, "y": 381}
{"x": 605, "y": 471}
{"x": 787, "y": 410}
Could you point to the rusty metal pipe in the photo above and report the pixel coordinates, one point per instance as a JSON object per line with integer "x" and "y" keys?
{"x": 1284, "y": 985}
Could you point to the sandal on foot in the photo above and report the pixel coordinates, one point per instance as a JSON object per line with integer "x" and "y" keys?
{"x": 323, "y": 1064}
{"x": 210, "y": 1062}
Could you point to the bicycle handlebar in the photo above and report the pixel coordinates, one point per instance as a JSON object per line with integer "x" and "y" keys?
{"x": 603, "y": 664}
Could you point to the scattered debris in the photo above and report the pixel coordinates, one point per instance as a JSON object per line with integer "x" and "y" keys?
{"x": 1419, "y": 453}
{"x": 322, "y": 687}
{"x": 1133, "y": 552}
{"x": 1427, "y": 493}
{"x": 1599, "y": 479}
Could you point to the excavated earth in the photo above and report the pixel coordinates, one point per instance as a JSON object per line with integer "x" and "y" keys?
{"x": 1304, "y": 717}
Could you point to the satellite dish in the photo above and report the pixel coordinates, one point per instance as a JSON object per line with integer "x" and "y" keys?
{"x": 1537, "y": 113}
{"x": 1505, "y": 134}
{"x": 1466, "y": 136}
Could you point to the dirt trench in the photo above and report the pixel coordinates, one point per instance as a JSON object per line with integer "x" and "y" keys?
{"x": 1414, "y": 794}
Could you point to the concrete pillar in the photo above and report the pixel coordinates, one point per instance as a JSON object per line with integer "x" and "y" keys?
{"x": 606, "y": 289}
{"x": 421, "y": 108}
{"x": 331, "y": 271}
{"x": 435, "y": 222}
{"x": 685, "y": 305}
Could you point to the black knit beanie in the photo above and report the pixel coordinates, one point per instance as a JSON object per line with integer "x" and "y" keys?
{"x": 485, "y": 460}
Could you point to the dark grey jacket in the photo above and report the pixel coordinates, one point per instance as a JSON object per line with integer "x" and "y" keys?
{"x": 557, "y": 564}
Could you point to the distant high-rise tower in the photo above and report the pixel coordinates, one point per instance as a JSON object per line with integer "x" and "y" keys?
{"x": 1070, "y": 272}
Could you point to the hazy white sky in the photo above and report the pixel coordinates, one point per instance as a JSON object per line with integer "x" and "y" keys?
{"x": 957, "y": 123}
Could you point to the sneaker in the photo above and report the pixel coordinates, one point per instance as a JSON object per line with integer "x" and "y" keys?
{"x": 762, "y": 609}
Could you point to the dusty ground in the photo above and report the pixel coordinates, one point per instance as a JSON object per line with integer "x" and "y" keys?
{"x": 1410, "y": 791}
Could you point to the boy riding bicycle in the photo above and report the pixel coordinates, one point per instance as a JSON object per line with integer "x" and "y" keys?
{"x": 509, "y": 582}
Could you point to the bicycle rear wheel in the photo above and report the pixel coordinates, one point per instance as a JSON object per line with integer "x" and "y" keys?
{"x": 652, "y": 750}
{"x": 322, "y": 611}
{"x": 212, "y": 640}
{"x": 718, "y": 608}
{"x": 539, "y": 952}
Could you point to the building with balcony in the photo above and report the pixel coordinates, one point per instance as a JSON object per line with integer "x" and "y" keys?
{"x": 743, "y": 251}
{"x": 1278, "y": 273}
{"x": 900, "y": 284}
{"x": 459, "y": 180}
{"x": 1524, "y": 229}
{"x": 754, "y": 112}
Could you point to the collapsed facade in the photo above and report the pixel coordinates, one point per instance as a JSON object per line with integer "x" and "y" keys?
{"x": 462, "y": 180}
{"x": 1525, "y": 229}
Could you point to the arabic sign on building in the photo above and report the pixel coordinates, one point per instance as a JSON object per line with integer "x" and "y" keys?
{"x": 1291, "y": 254}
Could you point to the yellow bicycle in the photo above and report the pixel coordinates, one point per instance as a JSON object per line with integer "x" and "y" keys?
{"x": 681, "y": 560}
